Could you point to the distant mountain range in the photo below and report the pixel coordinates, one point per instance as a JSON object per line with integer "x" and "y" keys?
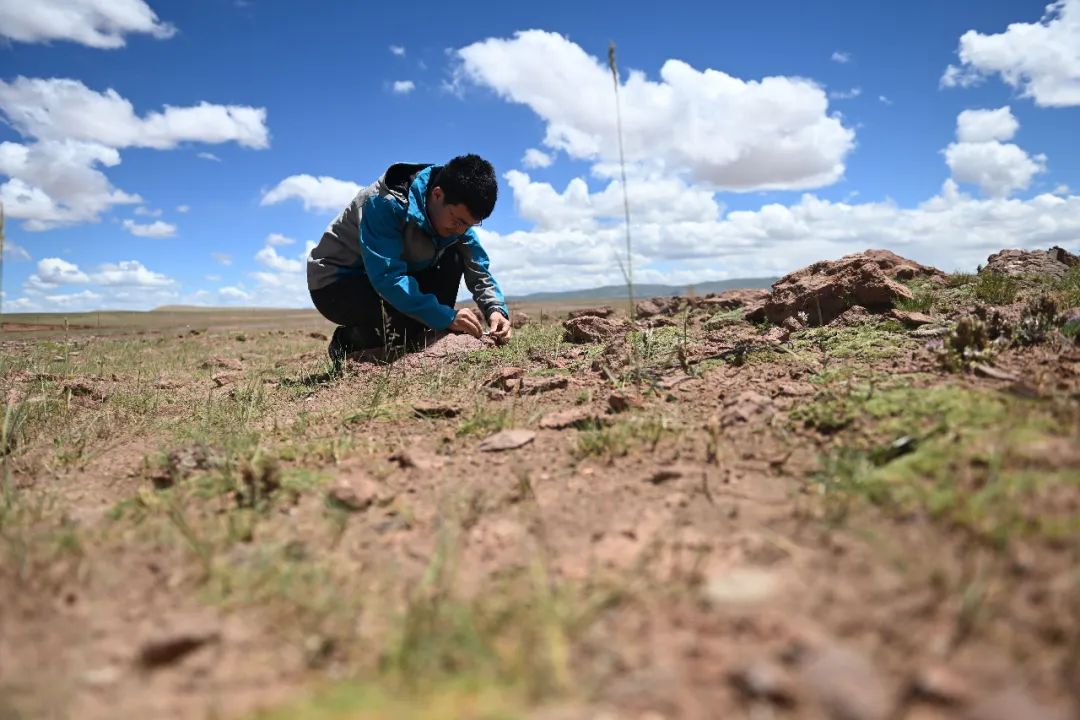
{"x": 647, "y": 291}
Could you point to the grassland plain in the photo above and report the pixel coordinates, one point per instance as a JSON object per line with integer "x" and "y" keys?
{"x": 201, "y": 519}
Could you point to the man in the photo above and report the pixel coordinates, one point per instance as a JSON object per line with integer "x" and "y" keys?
{"x": 389, "y": 267}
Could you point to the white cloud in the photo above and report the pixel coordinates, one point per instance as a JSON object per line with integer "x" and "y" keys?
{"x": 985, "y": 125}
{"x": 269, "y": 257}
{"x": 15, "y": 252}
{"x": 55, "y": 182}
{"x": 841, "y": 57}
{"x": 316, "y": 193}
{"x": 397, "y": 50}
{"x": 1041, "y": 59}
{"x": 404, "y": 87}
{"x": 130, "y": 273}
{"x": 278, "y": 240}
{"x": 57, "y": 271}
{"x": 212, "y": 278}
{"x": 182, "y": 208}
{"x": 1061, "y": 189}
{"x": 884, "y": 100}
{"x": 96, "y": 23}
{"x": 208, "y": 156}
{"x": 536, "y": 159}
{"x": 773, "y": 133}
{"x": 64, "y": 109}
{"x": 58, "y": 180}
{"x": 147, "y": 212}
{"x": 222, "y": 258}
{"x": 845, "y": 94}
{"x": 234, "y": 293}
{"x": 156, "y": 229}
{"x": 999, "y": 169}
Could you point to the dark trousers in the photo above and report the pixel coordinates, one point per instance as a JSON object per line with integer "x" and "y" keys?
{"x": 368, "y": 321}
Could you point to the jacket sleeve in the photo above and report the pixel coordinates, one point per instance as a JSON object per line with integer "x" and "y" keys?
{"x": 478, "y": 278}
{"x": 380, "y": 246}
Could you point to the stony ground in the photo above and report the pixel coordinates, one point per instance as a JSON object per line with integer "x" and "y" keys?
{"x": 693, "y": 516}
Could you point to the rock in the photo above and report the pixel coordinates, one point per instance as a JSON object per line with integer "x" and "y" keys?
{"x": 939, "y": 684}
{"x": 317, "y": 336}
{"x": 535, "y": 387}
{"x": 910, "y": 318}
{"x": 416, "y": 459}
{"x": 853, "y": 316}
{"x": 181, "y": 463}
{"x": 647, "y": 309}
{"x": 1012, "y": 704}
{"x": 776, "y": 335}
{"x": 741, "y": 587}
{"x": 602, "y": 311}
{"x": 745, "y": 407}
{"x": 571, "y": 417}
{"x": 181, "y": 636}
{"x": 731, "y": 299}
{"x": 989, "y": 371}
{"x": 506, "y": 378}
{"x": 436, "y": 409}
{"x": 846, "y": 684}
{"x": 591, "y": 329}
{"x": 507, "y": 440}
{"x": 621, "y": 402}
{"x": 222, "y": 379}
{"x": 825, "y": 289}
{"x": 358, "y": 492}
{"x": 222, "y": 364}
{"x": 764, "y": 680}
{"x": 1053, "y": 263}
{"x": 794, "y": 389}
{"x": 519, "y": 319}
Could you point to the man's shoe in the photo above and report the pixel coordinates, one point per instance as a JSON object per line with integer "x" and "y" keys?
{"x": 339, "y": 348}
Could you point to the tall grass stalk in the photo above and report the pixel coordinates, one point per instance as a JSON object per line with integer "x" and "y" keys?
{"x": 628, "y": 269}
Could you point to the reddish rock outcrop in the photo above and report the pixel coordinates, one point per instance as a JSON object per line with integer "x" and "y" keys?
{"x": 590, "y": 329}
{"x": 826, "y": 289}
{"x": 1054, "y": 262}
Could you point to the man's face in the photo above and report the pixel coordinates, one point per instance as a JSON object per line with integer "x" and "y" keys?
{"x": 448, "y": 219}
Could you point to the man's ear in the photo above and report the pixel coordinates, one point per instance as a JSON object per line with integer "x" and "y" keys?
{"x": 437, "y": 193}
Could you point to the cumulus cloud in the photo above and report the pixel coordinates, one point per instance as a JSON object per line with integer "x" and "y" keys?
{"x": 15, "y": 252}
{"x": 841, "y": 57}
{"x": 773, "y": 133}
{"x": 208, "y": 156}
{"x": 278, "y": 240}
{"x": 979, "y": 157}
{"x": 96, "y": 23}
{"x": 58, "y": 179}
{"x": 64, "y": 109}
{"x": 1041, "y": 59}
{"x": 269, "y": 257}
{"x": 536, "y": 159}
{"x": 404, "y": 87}
{"x": 156, "y": 229}
{"x": 127, "y": 284}
{"x": 147, "y": 212}
{"x": 397, "y": 50}
{"x": 57, "y": 271}
{"x": 182, "y": 208}
{"x": 884, "y": 100}
{"x": 985, "y": 125}
{"x": 316, "y": 193}
{"x": 845, "y": 94}
{"x": 130, "y": 273}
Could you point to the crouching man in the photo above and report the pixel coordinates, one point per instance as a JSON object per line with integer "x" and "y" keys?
{"x": 389, "y": 267}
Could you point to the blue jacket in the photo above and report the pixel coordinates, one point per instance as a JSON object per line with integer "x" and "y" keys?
{"x": 385, "y": 234}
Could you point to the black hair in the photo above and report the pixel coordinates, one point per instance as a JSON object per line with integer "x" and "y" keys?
{"x": 469, "y": 180}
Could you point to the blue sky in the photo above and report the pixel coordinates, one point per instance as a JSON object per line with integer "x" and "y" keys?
{"x": 173, "y": 152}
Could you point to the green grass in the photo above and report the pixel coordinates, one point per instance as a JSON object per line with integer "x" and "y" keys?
{"x": 873, "y": 340}
{"x": 924, "y": 298}
{"x": 618, "y": 439}
{"x": 996, "y": 289}
{"x": 956, "y": 454}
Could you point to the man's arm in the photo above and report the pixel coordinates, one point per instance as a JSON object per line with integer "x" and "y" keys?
{"x": 478, "y": 278}
{"x": 380, "y": 244}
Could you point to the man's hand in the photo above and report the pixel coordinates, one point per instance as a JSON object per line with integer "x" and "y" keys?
{"x": 500, "y": 327}
{"x": 466, "y": 322}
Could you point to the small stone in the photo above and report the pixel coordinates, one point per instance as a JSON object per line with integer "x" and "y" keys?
{"x": 765, "y": 680}
{"x": 507, "y": 440}
{"x": 989, "y": 371}
{"x": 910, "y": 318}
{"x": 221, "y": 379}
{"x": 941, "y": 685}
{"x": 591, "y": 329}
{"x": 181, "y": 637}
{"x": 846, "y": 684}
{"x": 741, "y": 587}
{"x": 436, "y": 409}
{"x": 621, "y": 402}
{"x": 572, "y": 417}
{"x": 416, "y": 459}
{"x": 505, "y": 378}
{"x": 535, "y": 387}
{"x": 357, "y": 493}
